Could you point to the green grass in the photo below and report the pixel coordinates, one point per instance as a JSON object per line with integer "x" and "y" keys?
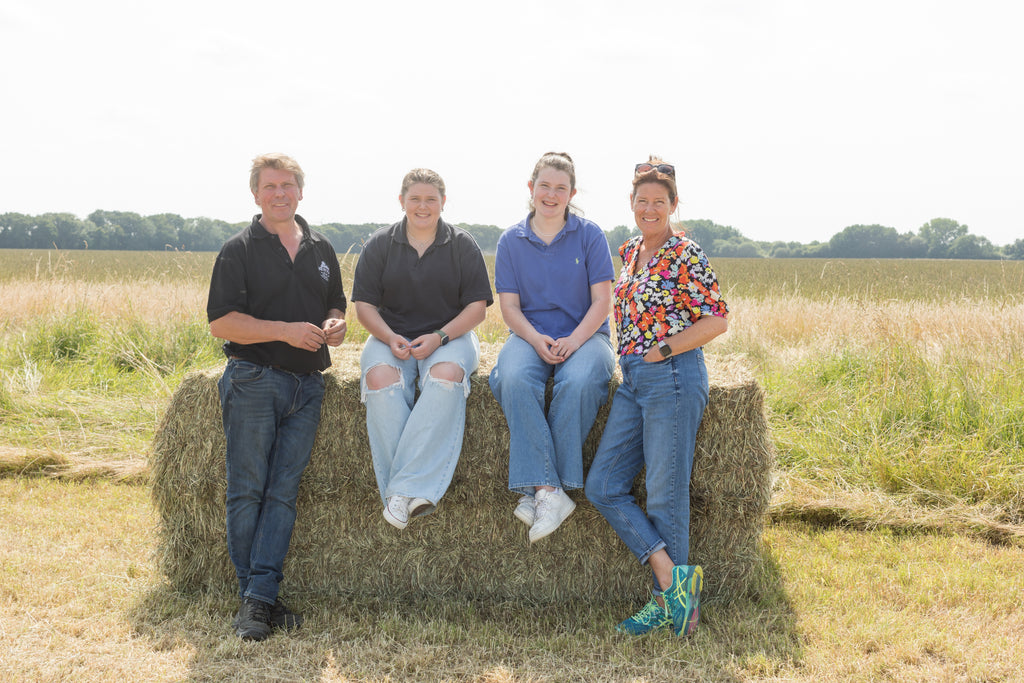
{"x": 887, "y": 419}
{"x": 92, "y": 388}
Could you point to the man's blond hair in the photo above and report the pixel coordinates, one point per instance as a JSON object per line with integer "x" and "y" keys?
{"x": 275, "y": 161}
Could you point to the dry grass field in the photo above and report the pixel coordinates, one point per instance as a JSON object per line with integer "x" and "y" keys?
{"x": 893, "y": 550}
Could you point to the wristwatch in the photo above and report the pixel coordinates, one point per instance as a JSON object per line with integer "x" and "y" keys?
{"x": 665, "y": 349}
{"x": 444, "y": 337}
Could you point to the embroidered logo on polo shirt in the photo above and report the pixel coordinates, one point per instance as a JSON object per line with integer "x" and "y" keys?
{"x": 325, "y": 271}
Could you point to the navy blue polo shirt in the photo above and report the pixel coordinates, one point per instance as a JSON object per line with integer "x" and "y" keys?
{"x": 253, "y": 274}
{"x": 417, "y": 295}
{"x": 553, "y": 280}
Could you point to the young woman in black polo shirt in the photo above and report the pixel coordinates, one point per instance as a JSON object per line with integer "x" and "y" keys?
{"x": 420, "y": 288}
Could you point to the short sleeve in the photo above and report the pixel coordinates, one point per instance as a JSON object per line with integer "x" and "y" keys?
{"x": 227, "y": 283}
{"x": 368, "y": 282}
{"x": 476, "y": 284}
{"x": 599, "y": 257}
{"x": 505, "y": 280}
{"x": 702, "y": 294}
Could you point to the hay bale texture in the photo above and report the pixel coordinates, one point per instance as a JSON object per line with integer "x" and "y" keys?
{"x": 472, "y": 546}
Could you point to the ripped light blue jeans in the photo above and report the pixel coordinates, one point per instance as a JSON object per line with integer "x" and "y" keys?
{"x": 415, "y": 442}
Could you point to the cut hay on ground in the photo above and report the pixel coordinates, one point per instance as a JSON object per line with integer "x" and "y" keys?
{"x": 76, "y": 466}
{"x": 20, "y": 461}
{"x": 471, "y": 546}
{"x": 798, "y": 499}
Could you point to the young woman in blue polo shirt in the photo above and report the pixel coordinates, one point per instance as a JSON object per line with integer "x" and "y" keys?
{"x": 420, "y": 288}
{"x": 553, "y": 274}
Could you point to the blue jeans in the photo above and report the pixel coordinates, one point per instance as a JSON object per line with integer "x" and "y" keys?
{"x": 270, "y": 422}
{"x": 415, "y": 443}
{"x": 547, "y": 450}
{"x": 653, "y": 422}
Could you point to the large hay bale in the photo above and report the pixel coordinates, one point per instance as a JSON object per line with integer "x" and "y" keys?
{"x": 471, "y": 546}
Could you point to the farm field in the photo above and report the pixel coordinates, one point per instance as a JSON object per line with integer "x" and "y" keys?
{"x": 893, "y": 551}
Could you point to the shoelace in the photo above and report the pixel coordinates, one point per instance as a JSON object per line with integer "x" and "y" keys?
{"x": 543, "y": 504}
{"x": 651, "y": 611}
{"x": 680, "y": 592}
{"x": 261, "y": 611}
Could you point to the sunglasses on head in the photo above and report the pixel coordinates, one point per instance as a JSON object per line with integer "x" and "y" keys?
{"x": 667, "y": 169}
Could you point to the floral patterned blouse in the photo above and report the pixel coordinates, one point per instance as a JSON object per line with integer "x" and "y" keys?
{"x": 664, "y": 296}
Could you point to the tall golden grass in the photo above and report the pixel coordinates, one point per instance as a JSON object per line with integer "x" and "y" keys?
{"x": 799, "y": 326}
{"x": 782, "y": 328}
{"x": 160, "y": 302}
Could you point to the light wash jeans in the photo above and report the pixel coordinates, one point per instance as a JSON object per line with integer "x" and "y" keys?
{"x": 415, "y": 443}
{"x": 653, "y": 422}
{"x": 547, "y": 450}
{"x": 270, "y": 421}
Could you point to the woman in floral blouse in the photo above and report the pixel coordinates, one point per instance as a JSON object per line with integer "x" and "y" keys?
{"x": 667, "y": 305}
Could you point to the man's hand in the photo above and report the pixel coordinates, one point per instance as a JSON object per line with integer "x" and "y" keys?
{"x": 306, "y": 336}
{"x": 334, "y": 331}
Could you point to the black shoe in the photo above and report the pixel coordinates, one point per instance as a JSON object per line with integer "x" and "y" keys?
{"x": 253, "y": 620}
{"x": 282, "y": 617}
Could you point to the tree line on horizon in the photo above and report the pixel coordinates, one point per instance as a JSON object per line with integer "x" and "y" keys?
{"x": 124, "y": 230}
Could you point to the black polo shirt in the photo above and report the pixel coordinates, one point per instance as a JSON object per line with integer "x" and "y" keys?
{"x": 253, "y": 274}
{"x": 417, "y": 295}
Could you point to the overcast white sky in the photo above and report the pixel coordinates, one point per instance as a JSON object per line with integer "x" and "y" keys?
{"x": 788, "y": 120}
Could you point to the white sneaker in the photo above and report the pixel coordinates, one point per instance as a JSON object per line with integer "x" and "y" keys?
{"x": 397, "y": 511}
{"x": 553, "y": 507}
{"x": 525, "y": 512}
{"x": 419, "y": 507}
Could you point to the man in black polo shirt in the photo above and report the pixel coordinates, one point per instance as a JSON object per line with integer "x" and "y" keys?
{"x": 276, "y": 299}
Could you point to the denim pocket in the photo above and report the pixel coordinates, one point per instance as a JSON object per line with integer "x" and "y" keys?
{"x": 244, "y": 371}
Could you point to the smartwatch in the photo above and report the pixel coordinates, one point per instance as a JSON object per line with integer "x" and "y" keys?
{"x": 665, "y": 349}
{"x": 444, "y": 337}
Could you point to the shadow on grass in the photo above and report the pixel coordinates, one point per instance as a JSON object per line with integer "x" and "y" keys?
{"x": 367, "y": 637}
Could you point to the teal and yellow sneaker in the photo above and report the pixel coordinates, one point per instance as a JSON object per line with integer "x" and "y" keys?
{"x": 651, "y": 617}
{"x": 682, "y": 599}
